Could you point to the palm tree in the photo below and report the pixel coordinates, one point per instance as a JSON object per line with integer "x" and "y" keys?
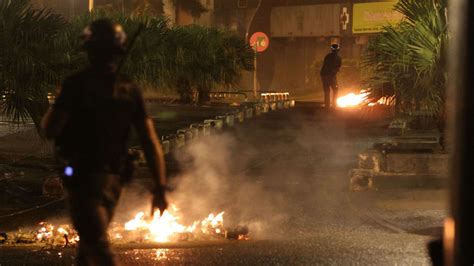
{"x": 408, "y": 62}
{"x": 31, "y": 59}
{"x": 185, "y": 58}
{"x": 41, "y": 48}
{"x": 207, "y": 57}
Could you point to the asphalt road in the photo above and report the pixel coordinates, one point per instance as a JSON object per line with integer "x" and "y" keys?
{"x": 285, "y": 175}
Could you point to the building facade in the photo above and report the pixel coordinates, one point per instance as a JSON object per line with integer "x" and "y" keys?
{"x": 67, "y": 8}
{"x": 300, "y": 31}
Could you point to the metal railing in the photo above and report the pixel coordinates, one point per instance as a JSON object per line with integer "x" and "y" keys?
{"x": 274, "y": 96}
{"x": 226, "y": 95}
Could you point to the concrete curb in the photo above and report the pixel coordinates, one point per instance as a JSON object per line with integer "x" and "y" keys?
{"x": 367, "y": 180}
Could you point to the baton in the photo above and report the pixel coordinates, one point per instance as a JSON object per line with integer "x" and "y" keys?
{"x": 130, "y": 46}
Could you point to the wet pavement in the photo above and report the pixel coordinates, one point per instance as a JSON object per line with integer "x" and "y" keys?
{"x": 285, "y": 175}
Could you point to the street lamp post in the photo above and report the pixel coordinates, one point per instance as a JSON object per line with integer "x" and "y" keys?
{"x": 255, "y": 80}
{"x": 459, "y": 231}
{"x": 91, "y": 5}
{"x": 251, "y": 20}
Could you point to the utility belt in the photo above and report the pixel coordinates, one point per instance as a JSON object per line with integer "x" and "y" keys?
{"x": 70, "y": 169}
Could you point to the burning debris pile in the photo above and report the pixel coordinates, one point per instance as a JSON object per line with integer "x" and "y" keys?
{"x": 167, "y": 229}
{"x": 46, "y": 234}
{"x": 360, "y": 99}
{"x": 352, "y": 99}
{"x": 141, "y": 229}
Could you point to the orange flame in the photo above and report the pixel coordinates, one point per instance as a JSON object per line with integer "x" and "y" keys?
{"x": 357, "y": 100}
{"x": 352, "y": 99}
{"x": 164, "y": 228}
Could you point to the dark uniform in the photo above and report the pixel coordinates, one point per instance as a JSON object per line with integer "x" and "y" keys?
{"x": 331, "y": 65}
{"x": 91, "y": 121}
{"x": 102, "y": 107}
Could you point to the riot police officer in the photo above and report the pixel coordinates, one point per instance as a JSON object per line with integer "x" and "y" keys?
{"x": 90, "y": 122}
{"x": 331, "y": 65}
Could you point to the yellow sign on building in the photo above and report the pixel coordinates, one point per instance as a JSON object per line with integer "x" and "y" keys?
{"x": 371, "y": 17}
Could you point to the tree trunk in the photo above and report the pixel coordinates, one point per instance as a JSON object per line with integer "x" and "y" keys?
{"x": 204, "y": 96}
{"x": 185, "y": 91}
{"x": 36, "y": 110}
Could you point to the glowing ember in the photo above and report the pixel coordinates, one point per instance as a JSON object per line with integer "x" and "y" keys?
{"x": 352, "y": 99}
{"x": 61, "y": 235}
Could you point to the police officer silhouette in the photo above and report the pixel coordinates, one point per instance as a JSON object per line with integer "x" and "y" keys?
{"x": 331, "y": 65}
{"x": 90, "y": 122}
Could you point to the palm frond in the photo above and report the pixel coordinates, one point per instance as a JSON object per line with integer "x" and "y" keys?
{"x": 409, "y": 58}
{"x": 28, "y": 59}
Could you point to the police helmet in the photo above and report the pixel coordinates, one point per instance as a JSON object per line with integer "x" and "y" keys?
{"x": 104, "y": 36}
{"x": 335, "y": 47}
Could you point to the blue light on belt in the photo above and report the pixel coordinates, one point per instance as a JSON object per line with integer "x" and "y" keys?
{"x": 68, "y": 171}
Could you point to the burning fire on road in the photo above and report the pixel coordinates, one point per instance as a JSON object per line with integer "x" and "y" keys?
{"x": 352, "y": 100}
{"x": 140, "y": 229}
{"x": 167, "y": 228}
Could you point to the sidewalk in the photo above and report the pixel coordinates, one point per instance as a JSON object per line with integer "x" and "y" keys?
{"x": 413, "y": 211}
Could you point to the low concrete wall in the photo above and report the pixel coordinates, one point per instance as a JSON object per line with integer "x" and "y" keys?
{"x": 372, "y": 159}
{"x": 417, "y": 163}
{"x": 364, "y": 180}
{"x": 380, "y": 170}
{"x": 379, "y": 161}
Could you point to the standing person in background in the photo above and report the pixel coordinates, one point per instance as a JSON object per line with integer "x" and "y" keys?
{"x": 90, "y": 122}
{"x": 331, "y": 65}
